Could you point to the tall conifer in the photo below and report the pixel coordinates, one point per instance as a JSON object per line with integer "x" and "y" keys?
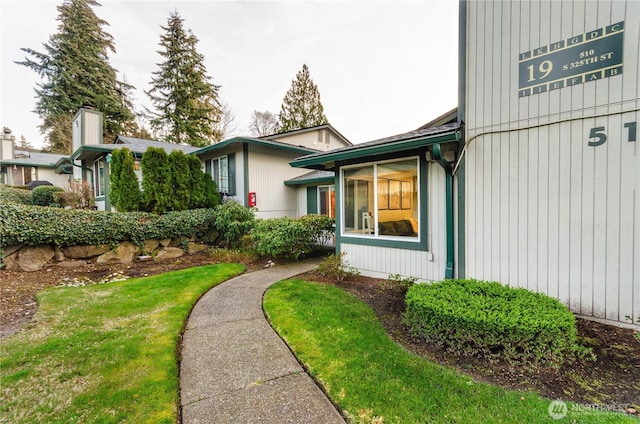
{"x": 187, "y": 108}
{"x": 76, "y": 71}
{"x": 301, "y": 106}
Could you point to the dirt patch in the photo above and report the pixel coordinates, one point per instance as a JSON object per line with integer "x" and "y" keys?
{"x": 613, "y": 380}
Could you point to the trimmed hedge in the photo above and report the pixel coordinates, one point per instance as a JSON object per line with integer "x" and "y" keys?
{"x": 54, "y": 226}
{"x": 10, "y": 194}
{"x": 43, "y": 195}
{"x": 289, "y": 238}
{"x": 491, "y": 320}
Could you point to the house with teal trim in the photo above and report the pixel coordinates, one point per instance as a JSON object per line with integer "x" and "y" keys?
{"x": 535, "y": 183}
{"x": 251, "y": 171}
{"x": 19, "y": 167}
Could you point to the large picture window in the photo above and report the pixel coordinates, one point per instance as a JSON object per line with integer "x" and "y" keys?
{"x": 381, "y": 199}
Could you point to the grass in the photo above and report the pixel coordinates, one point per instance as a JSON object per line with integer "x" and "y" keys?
{"x": 373, "y": 380}
{"x": 103, "y": 353}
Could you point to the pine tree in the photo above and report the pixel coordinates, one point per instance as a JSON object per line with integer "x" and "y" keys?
{"x": 301, "y": 106}
{"x": 186, "y": 103}
{"x": 24, "y": 144}
{"x": 76, "y": 71}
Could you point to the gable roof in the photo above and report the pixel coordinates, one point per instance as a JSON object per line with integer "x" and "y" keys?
{"x": 317, "y": 176}
{"x": 396, "y": 143}
{"x": 136, "y": 145}
{"x": 141, "y": 145}
{"x": 445, "y": 118}
{"x": 326, "y": 126}
{"x": 35, "y": 159}
{"x": 256, "y": 141}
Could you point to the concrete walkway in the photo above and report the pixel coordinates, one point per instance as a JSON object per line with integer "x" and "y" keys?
{"x": 236, "y": 369}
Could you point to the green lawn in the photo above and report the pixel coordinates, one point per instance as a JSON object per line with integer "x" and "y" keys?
{"x": 346, "y": 349}
{"x": 103, "y": 353}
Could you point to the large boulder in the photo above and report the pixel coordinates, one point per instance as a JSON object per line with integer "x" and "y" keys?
{"x": 196, "y": 247}
{"x": 29, "y": 258}
{"x": 85, "y": 251}
{"x": 150, "y": 245}
{"x": 125, "y": 253}
{"x": 169, "y": 253}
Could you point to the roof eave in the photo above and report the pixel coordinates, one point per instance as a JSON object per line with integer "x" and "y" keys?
{"x": 327, "y": 160}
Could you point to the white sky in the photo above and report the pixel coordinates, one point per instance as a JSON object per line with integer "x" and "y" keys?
{"x": 382, "y": 67}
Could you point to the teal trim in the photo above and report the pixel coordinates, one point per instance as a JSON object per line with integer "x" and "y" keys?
{"x": 461, "y": 219}
{"x": 231, "y": 163}
{"x": 107, "y": 181}
{"x": 318, "y": 181}
{"x": 360, "y": 153}
{"x": 337, "y": 227}
{"x": 245, "y": 167}
{"x": 386, "y": 242}
{"x": 246, "y": 141}
{"x": 437, "y": 155}
{"x": 312, "y": 200}
{"x": 91, "y": 148}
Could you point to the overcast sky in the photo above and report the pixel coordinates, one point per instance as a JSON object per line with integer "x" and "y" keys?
{"x": 382, "y": 67}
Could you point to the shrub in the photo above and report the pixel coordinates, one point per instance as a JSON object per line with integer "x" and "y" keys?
{"x": 288, "y": 238}
{"x": 43, "y": 195}
{"x": 124, "y": 188}
{"x": 156, "y": 180}
{"x": 14, "y": 195}
{"x": 79, "y": 195}
{"x": 233, "y": 221}
{"x": 491, "y": 320}
{"x": 335, "y": 267}
{"x": 53, "y": 226}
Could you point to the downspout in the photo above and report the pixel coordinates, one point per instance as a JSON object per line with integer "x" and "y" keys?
{"x": 438, "y": 156}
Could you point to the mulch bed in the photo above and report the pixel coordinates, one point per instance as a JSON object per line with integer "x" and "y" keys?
{"x": 612, "y": 380}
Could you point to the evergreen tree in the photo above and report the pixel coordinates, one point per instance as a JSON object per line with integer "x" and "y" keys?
{"x": 186, "y": 103}
{"x": 156, "y": 180}
{"x": 24, "y": 144}
{"x": 124, "y": 189}
{"x": 180, "y": 180}
{"x": 211, "y": 194}
{"x": 301, "y": 106}
{"x": 197, "y": 199}
{"x": 76, "y": 71}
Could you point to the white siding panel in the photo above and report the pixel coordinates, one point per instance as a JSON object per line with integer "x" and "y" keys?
{"x": 268, "y": 170}
{"x": 544, "y": 210}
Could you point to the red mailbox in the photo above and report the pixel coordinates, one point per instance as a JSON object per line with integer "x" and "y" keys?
{"x": 252, "y": 199}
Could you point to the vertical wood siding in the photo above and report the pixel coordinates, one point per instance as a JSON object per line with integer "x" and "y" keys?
{"x": 268, "y": 170}
{"x": 380, "y": 262}
{"x": 544, "y": 210}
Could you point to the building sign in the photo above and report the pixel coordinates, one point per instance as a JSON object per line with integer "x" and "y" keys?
{"x": 587, "y": 57}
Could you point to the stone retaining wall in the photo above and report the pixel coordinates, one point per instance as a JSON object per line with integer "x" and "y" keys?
{"x": 33, "y": 258}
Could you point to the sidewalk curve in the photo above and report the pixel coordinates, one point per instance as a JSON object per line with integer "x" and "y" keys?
{"x": 236, "y": 369}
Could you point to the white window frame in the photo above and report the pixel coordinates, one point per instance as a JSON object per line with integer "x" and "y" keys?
{"x": 374, "y": 235}
{"x": 332, "y": 188}
{"x": 222, "y": 181}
